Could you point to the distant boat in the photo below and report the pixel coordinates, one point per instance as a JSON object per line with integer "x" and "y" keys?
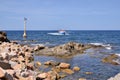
{"x": 60, "y": 32}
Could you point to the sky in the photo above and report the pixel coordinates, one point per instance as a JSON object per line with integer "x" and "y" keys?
{"x": 60, "y": 14}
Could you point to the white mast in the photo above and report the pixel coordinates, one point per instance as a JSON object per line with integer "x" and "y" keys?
{"x": 25, "y": 35}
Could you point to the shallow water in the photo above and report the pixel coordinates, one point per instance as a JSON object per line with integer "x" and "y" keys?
{"x": 88, "y": 62}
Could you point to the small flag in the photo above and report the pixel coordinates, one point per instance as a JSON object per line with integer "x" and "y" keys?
{"x": 25, "y": 18}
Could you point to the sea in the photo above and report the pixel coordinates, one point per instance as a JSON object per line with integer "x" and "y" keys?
{"x": 88, "y": 62}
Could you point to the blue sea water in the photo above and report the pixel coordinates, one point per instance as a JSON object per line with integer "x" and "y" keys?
{"x": 91, "y": 61}
{"x": 34, "y": 37}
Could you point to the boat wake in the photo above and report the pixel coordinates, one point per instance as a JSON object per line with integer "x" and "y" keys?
{"x": 57, "y": 34}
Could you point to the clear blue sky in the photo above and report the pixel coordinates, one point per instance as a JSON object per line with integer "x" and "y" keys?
{"x": 60, "y": 14}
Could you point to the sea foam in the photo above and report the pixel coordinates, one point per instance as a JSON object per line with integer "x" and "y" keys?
{"x": 107, "y": 46}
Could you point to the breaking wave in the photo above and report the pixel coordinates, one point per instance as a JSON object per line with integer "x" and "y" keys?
{"x": 107, "y": 46}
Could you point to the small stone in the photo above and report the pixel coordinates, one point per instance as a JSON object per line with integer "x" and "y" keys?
{"x": 47, "y": 63}
{"x": 68, "y": 71}
{"x": 51, "y": 62}
{"x": 38, "y": 64}
{"x": 62, "y": 75}
{"x": 64, "y": 65}
{"x": 76, "y": 68}
{"x": 88, "y": 73}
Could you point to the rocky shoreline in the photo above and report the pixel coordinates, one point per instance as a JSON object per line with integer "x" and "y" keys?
{"x": 17, "y": 63}
{"x": 65, "y": 50}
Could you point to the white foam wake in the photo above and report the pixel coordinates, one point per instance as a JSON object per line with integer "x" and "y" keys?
{"x": 58, "y": 34}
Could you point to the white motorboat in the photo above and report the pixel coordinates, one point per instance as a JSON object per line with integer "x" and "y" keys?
{"x": 60, "y": 32}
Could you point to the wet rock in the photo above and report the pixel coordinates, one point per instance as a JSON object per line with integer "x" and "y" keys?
{"x": 63, "y": 75}
{"x": 56, "y": 69}
{"x": 68, "y": 71}
{"x": 64, "y": 65}
{"x": 51, "y": 62}
{"x": 37, "y": 64}
{"x": 110, "y": 59}
{"x": 76, "y": 68}
{"x": 88, "y": 73}
{"x": 52, "y": 75}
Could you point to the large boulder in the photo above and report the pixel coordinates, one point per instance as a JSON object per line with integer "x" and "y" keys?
{"x": 3, "y": 37}
{"x": 65, "y": 50}
{"x": 76, "y": 68}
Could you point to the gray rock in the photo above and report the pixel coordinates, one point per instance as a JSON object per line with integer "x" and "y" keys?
{"x": 5, "y": 65}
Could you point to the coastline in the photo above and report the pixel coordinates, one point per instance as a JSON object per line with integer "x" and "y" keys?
{"x": 19, "y": 63}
